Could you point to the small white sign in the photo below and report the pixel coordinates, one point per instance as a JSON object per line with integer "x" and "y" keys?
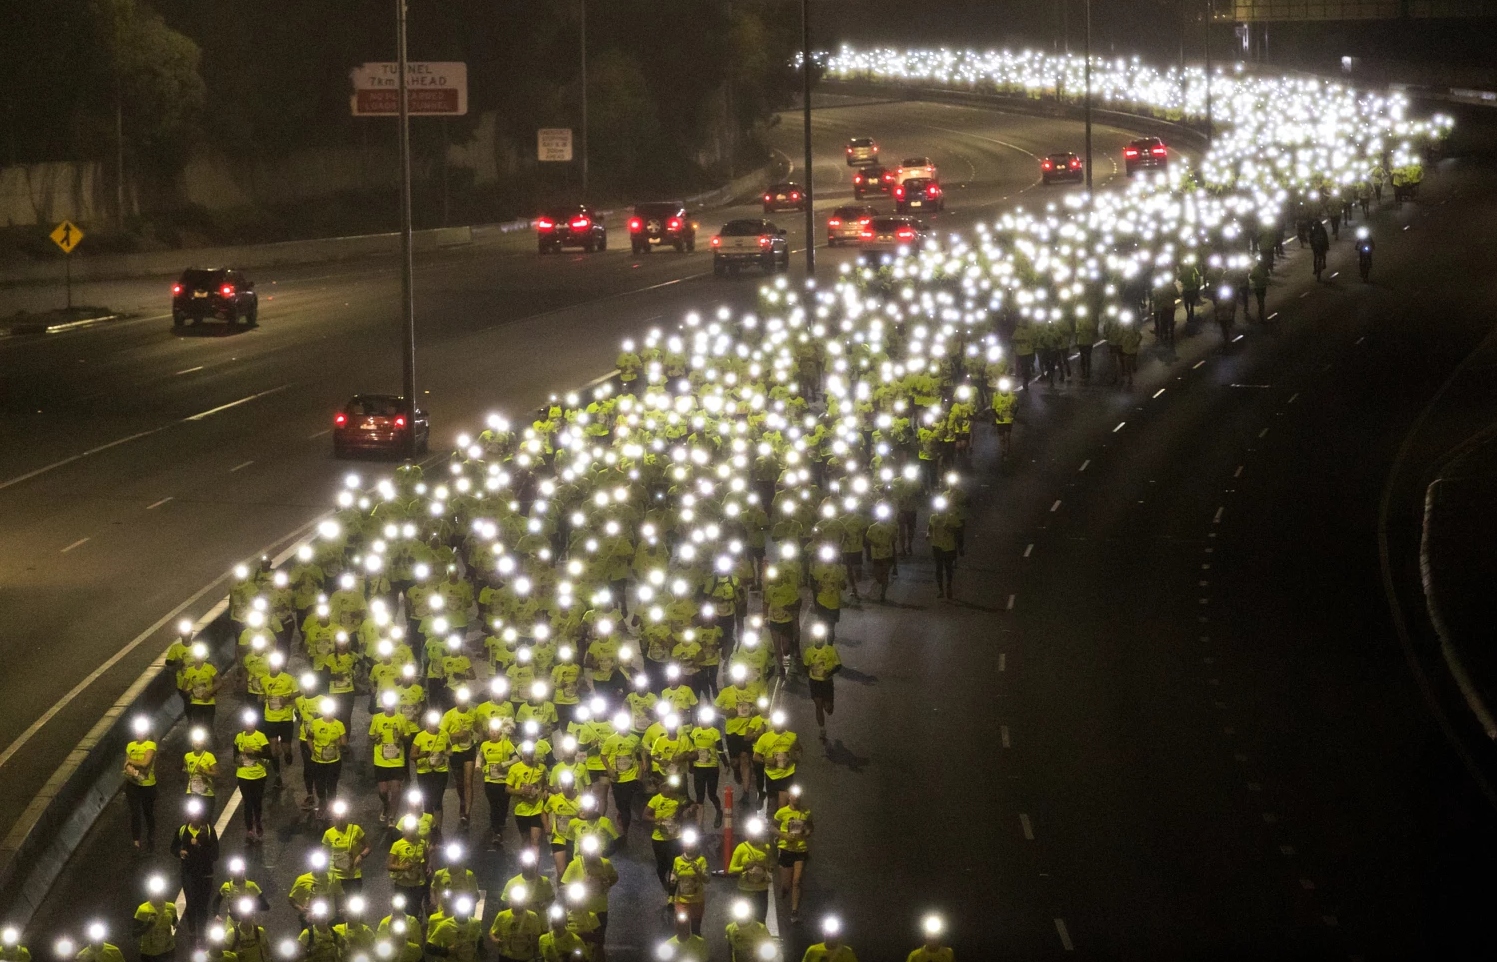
{"x": 554, "y": 143}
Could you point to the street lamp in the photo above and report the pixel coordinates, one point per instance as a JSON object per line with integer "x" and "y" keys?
{"x": 1086, "y": 53}
{"x": 583, "y": 21}
{"x": 805, "y": 73}
{"x": 407, "y": 295}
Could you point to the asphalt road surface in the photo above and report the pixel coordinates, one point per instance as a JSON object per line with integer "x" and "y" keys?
{"x": 1169, "y": 715}
{"x": 139, "y": 464}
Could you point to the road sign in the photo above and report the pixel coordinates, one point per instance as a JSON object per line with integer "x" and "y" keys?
{"x": 554, "y": 143}
{"x": 437, "y": 88}
{"x": 66, "y": 236}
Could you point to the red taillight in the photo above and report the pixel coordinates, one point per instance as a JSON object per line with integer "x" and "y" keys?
{"x": 866, "y": 233}
{"x": 888, "y": 178}
{"x": 673, "y": 224}
{"x": 716, "y": 241}
{"x": 545, "y": 223}
{"x": 227, "y": 290}
{"x": 795, "y": 195}
{"x": 763, "y": 240}
{"x": 1159, "y": 151}
{"x": 932, "y": 191}
{"x": 636, "y": 224}
{"x": 849, "y": 150}
{"x": 834, "y": 222}
{"x": 340, "y": 419}
{"x": 580, "y": 223}
{"x": 1046, "y": 165}
{"x": 400, "y": 422}
{"x": 899, "y": 191}
{"x": 176, "y": 288}
{"x": 905, "y": 233}
{"x": 1130, "y": 152}
{"x": 1075, "y": 161}
{"x": 864, "y": 221}
{"x": 857, "y": 178}
{"x": 767, "y": 198}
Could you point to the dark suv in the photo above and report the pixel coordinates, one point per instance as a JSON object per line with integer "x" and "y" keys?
{"x": 662, "y": 224}
{"x": 872, "y": 180}
{"x": 214, "y": 292}
{"x": 1147, "y": 153}
{"x": 574, "y": 225}
{"x": 918, "y": 193}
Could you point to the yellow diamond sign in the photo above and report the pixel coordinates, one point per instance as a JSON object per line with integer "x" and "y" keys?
{"x": 67, "y": 236}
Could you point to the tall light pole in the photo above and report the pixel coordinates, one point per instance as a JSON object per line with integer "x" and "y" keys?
{"x": 584, "y": 99}
{"x": 1086, "y": 52}
{"x": 805, "y": 71}
{"x": 1206, "y": 30}
{"x": 407, "y": 297}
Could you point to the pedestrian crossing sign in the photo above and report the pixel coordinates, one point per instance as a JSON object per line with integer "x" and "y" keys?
{"x": 66, "y": 236}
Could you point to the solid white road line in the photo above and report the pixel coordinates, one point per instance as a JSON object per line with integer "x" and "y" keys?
{"x": 1159, "y": 392}
{"x": 151, "y": 507}
{"x": 324, "y": 431}
{"x": 189, "y": 370}
{"x": 73, "y": 545}
{"x": 1119, "y": 427}
{"x": 238, "y": 467}
{"x": 1065, "y": 936}
{"x": 69, "y": 460}
{"x": 1196, "y": 365}
{"x": 138, "y": 640}
{"x": 234, "y": 404}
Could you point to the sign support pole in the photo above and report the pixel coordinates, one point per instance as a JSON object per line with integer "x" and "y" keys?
{"x": 805, "y": 71}
{"x": 67, "y": 260}
{"x": 1086, "y": 52}
{"x": 407, "y": 297}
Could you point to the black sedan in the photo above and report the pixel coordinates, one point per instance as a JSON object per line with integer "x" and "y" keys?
{"x": 786, "y": 196}
{"x": 380, "y": 424}
{"x": 1061, "y": 166}
{"x": 221, "y": 293}
{"x": 571, "y": 226}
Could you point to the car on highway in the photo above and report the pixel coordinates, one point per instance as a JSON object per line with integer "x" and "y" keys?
{"x": 380, "y": 423}
{"x": 663, "y": 224}
{"x": 750, "y": 243}
{"x": 915, "y": 167}
{"x": 892, "y": 233}
{"x": 217, "y": 293}
{"x": 862, "y": 152}
{"x": 785, "y": 196}
{"x": 872, "y": 180}
{"x": 918, "y": 193}
{"x": 1146, "y": 153}
{"x": 572, "y": 225}
{"x": 1061, "y": 166}
{"x": 846, "y": 223}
